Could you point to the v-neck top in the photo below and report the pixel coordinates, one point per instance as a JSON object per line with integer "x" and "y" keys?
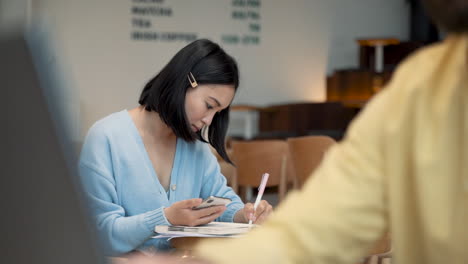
{"x": 124, "y": 194}
{"x": 133, "y": 130}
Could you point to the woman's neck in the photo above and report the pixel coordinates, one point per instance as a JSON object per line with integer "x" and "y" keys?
{"x": 150, "y": 125}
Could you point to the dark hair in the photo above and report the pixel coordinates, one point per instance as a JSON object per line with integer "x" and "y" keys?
{"x": 450, "y": 15}
{"x": 165, "y": 93}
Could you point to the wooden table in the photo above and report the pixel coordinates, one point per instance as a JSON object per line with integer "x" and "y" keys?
{"x": 189, "y": 243}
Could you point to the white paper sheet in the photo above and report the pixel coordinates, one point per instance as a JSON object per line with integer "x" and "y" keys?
{"x": 213, "y": 229}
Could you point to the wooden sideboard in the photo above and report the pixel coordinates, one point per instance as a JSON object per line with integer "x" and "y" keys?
{"x": 299, "y": 119}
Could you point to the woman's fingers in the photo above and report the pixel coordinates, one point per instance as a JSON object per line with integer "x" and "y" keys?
{"x": 187, "y": 204}
{"x": 261, "y": 216}
{"x": 218, "y": 209}
{"x": 211, "y": 217}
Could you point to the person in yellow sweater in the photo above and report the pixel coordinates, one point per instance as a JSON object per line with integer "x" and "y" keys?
{"x": 402, "y": 167}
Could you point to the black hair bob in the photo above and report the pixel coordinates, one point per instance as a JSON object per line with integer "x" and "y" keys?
{"x": 165, "y": 93}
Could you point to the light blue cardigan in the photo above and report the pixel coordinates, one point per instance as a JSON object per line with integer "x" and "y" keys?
{"x": 125, "y": 197}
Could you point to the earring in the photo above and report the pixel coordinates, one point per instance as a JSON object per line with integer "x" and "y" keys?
{"x": 192, "y": 81}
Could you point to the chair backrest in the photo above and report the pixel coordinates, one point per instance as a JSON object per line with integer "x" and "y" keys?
{"x": 253, "y": 158}
{"x": 306, "y": 153}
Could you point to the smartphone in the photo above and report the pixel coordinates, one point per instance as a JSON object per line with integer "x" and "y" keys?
{"x": 212, "y": 201}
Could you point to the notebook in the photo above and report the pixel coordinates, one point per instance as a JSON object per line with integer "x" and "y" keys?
{"x": 213, "y": 229}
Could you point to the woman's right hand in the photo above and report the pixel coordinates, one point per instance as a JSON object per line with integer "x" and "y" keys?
{"x": 181, "y": 213}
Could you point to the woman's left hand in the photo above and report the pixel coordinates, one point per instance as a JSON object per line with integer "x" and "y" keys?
{"x": 257, "y": 216}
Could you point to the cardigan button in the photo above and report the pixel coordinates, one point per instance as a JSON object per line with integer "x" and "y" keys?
{"x": 174, "y": 187}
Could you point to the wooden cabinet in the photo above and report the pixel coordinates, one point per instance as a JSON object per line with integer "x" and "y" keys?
{"x": 299, "y": 119}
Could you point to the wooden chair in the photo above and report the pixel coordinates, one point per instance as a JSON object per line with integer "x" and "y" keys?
{"x": 256, "y": 157}
{"x": 306, "y": 153}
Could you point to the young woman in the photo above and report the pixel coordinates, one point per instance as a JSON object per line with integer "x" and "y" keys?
{"x": 151, "y": 165}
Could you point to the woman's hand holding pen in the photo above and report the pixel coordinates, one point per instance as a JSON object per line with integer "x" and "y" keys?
{"x": 256, "y": 213}
{"x": 181, "y": 213}
{"x": 257, "y": 216}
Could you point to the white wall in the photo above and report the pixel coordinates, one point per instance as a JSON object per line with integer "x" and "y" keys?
{"x": 12, "y": 15}
{"x": 301, "y": 40}
{"x": 363, "y": 19}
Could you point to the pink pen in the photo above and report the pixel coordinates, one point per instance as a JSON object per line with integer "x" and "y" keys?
{"x": 261, "y": 189}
